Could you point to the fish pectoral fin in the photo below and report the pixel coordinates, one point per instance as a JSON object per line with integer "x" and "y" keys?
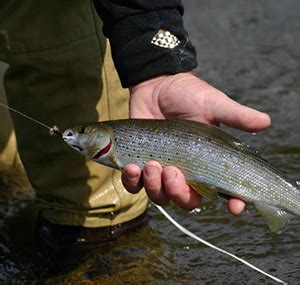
{"x": 276, "y": 219}
{"x": 203, "y": 189}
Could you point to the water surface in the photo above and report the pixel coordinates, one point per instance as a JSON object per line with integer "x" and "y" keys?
{"x": 251, "y": 50}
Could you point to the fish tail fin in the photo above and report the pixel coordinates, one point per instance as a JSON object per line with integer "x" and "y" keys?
{"x": 276, "y": 219}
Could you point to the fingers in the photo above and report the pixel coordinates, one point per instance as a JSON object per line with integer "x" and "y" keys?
{"x": 177, "y": 190}
{"x": 163, "y": 185}
{"x": 132, "y": 178}
{"x": 238, "y": 116}
{"x": 152, "y": 177}
{"x": 236, "y": 206}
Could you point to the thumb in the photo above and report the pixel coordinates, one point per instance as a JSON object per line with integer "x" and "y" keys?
{"x": 238, "y": 116}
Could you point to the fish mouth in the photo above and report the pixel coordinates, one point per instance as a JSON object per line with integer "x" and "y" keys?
{"x": 72, "y": 142}
{"x": 76, "y": 147}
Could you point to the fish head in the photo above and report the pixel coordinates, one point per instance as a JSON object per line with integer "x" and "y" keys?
{"x": 94, "y": 142}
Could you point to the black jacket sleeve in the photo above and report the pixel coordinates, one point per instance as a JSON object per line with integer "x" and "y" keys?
{"x": 131, "y": 25}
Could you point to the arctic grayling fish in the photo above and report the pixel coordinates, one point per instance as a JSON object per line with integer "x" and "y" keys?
{"x": 55, "y": 131}
{"x": 212, "y": 161}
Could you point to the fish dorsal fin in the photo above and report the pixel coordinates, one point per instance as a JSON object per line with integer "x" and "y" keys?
{"x": 204, "y": 190}
{"x": 276, "y": 219}
{"x": 247, "y": 148}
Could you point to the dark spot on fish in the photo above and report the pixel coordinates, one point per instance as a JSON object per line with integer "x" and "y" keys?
{"x": 226, "y": 167}
{"x": 246, "y": 184}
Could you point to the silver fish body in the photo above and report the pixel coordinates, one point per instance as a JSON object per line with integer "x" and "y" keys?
{"x": 211, "y": 160}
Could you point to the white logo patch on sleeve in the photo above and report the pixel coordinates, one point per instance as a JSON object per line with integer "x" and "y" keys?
{"x": 165, "y": 39}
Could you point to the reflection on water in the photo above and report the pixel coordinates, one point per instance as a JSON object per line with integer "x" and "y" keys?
{"x": 249, "y": 49}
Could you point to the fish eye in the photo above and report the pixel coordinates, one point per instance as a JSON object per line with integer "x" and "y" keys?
{"x": 82, "y": 130}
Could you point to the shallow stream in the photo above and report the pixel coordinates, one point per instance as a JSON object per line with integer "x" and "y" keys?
{"x": 251, "y": 50}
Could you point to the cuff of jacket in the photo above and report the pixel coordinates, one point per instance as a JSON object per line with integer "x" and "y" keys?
{"x": 137, "y": 59}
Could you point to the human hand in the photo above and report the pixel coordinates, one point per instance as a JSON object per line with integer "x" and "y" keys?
{"x": 183, "y": 96}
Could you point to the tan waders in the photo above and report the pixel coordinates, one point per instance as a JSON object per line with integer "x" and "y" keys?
{"x": 61, "y": 73}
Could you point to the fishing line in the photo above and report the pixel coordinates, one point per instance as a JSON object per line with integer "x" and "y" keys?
{"x": 192, "y": 235}
{"x": 52, "y": 131}
{"x": 55, "y": 131}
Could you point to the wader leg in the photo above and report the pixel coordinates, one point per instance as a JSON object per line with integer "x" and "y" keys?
{"x": 8, "y": 146}
{"x": 61, "y": 73}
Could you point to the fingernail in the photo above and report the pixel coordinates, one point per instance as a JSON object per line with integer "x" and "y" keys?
{"x": 170, "y": 174}
{"x": 152, "y": 171}
{"x": 130, "y": 175}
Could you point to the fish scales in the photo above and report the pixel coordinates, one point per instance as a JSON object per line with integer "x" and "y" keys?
{"x": 206, "y": 155}
{"x": 222, "y": 166}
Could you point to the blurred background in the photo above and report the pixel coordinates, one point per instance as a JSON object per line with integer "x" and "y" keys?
{"x": 251, "y": 51}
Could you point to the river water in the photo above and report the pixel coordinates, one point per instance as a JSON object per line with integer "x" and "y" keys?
{"x": 251, "y": 50}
